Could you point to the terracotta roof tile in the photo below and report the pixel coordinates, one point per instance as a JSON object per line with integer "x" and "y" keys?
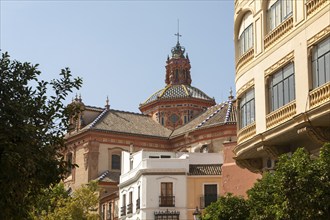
{"x": 128, "y": 122}
{"x": 178, "y": 91}
{"x": 215, "y": 115}
{"x": 109, "y": 176}
{"x": 204, "y": 169}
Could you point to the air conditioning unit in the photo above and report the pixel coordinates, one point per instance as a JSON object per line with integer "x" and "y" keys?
{"x": 270, "y": 164}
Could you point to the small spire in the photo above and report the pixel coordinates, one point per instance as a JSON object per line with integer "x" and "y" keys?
{"x": 80, "y": 99}
{"x": 230, "y": 97}
{"x": 107, "y": 103}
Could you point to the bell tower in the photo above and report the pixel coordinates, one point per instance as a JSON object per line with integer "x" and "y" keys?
{"x": 179, "y": 102}
{"x": 178, "y": 66}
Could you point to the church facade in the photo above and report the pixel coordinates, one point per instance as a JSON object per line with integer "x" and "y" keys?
{"x": 177, "y": 118}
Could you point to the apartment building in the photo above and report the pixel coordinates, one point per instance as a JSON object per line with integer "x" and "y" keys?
{"x": 282, "y": 52}
{"x": 167, "y": 185}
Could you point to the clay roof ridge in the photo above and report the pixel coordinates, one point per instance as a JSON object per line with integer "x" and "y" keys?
{"x": 95, "y": 108}
{"x": 128, "y": 112}
{"x": 210, "y": 116}
{"x": 229, "y": 111}
{"x": 98, "y": 118}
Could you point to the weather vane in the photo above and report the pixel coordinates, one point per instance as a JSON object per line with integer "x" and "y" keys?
{"x": 178, "y": 34}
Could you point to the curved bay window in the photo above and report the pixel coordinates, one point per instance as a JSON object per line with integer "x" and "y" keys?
{"x": 278, "y": 11}
{"x": 247, "y": 108}
{"x": 321, "y": 63}
{"x": 282, "y": 87}
{"x": 245, "y": 34}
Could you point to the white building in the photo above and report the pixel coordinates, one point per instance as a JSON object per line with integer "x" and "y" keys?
{"x": 153, "y": 185}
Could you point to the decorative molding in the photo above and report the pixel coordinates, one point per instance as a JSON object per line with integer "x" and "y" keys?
{"x": 246, "y": 133}
{"x": 279, "y": 64}
{"x": 319, "y": 36}
{"x": 319, "y": 95}
{"x": 244, "y": 88}
{"x": 313, "y": 6}
{"x": 244, "y": 59}
{"x": 254, "y": 165}
{"x": 278, "y": 32}
{"x": 318, "y": 134}
{"x": 272, "y": 151}
{"x": 281, "y": 115}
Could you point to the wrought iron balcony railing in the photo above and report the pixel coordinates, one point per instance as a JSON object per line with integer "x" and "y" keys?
{"x": 138, "y": 204}
{"x": 123, "y": 210}
{"x": 130, "y": 208}
{"x": 166, "y": 201}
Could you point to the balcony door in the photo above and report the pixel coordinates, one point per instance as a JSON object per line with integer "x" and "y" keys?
{"x": 166, "y": 194}
{"x": 210, "y": 193}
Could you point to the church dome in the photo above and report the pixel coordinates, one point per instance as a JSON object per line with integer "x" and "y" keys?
{"x": 171, "y": 92}
{"x": 178, "y": 102}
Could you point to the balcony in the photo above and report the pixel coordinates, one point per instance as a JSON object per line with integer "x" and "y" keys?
{"x": 278, "y": 32}
{"x": 130, "y": 208}
{"x": 123, "y": 211}
{"x": 281, "y": 115}
{"x": 319, "y": 95}
{"x": 138, "y": 204}
{"x": 244, "y": 59}
{"x": 314, "y": 5}
{"x": 246, "y": 133}
{"x": 166, "y": 201}
{"x": 206, "y": 200}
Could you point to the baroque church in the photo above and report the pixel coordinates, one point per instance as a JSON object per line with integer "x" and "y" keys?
{"x": 176, "y": 118}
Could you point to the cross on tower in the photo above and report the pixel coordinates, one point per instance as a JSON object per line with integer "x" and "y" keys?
{"x": 178, "y": 34}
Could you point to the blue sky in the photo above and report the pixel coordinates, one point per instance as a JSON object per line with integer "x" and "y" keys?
{"x": 119, "y": 48}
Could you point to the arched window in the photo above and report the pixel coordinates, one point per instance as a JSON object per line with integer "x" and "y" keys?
{"x": 245, "y": 34}
{"x": 278, "y": 11}
{"x": 115, "y": 162}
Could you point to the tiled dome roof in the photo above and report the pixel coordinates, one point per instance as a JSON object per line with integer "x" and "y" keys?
{"x": 177, "y": 91}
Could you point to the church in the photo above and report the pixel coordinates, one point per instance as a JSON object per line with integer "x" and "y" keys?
{"x": 178, "y": 118}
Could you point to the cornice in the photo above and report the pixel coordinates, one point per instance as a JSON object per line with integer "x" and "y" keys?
{"x": 319, "y": 36}
{"x": 279, "y": 64}
{"x": 244, "y": 88}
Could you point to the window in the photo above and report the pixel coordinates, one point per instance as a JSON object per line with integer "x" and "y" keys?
{"x": 245, "y": 35}
{"x": 321, "y": 63}
{"x": 166, "y": 195}
{"x": 278, "y": 11}
{"x": 204, "y": 149}
{"x": 69, "y": 160}
{"x": 115, "y": 162}
{"x": 116, "y": 208}
{"x": 138, "y": 199}
{"x": 130, "y": 203}
{"x": 210, "y": 194}
{"x": 282, "y": 87}
{"x": 247, "y": 108}
{"x": 109, "y": 215}
{"x": 123, "y": 207}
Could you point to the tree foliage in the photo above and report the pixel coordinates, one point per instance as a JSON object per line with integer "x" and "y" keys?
{"x": 56, "y": 204}
{"x": 227, "y": 207}
{"x": 299, "y": 188}
{"x": 33, "y": 123}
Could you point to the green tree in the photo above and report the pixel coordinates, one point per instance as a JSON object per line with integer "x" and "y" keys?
{"x": 298, "y": 189}
{"x": 227, "y": 207}
{"x": 56, "y": 204}
{"x": 33, "y": 122}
